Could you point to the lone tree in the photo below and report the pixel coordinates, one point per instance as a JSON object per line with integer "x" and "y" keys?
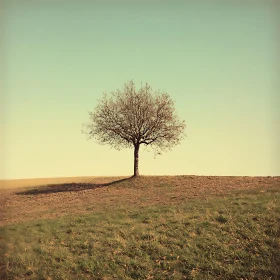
{"x": 129, "y": 118}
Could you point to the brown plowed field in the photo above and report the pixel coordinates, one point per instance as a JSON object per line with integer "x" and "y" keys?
{"x": 23, "y": 200}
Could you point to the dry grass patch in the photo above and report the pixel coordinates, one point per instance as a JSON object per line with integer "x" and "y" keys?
{"x": 95, "y": 194}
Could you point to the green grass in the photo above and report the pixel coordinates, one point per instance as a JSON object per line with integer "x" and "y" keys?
{"x": 233, "y": 237}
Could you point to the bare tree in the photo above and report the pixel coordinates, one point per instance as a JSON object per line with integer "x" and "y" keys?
{"x": 129, "y": 118}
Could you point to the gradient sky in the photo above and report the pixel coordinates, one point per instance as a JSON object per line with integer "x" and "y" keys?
{"x": 219, "y": 61}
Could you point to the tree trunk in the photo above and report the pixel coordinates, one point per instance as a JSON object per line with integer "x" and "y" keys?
{"x": 136, "y": 159}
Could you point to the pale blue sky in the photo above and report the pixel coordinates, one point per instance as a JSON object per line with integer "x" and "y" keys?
{"x": 219, "y": 61}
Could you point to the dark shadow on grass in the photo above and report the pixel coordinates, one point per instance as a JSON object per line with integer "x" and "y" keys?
{"x": 68, "y": 187}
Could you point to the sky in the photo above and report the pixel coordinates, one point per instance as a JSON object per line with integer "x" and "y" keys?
{"x": 218, "y": 60}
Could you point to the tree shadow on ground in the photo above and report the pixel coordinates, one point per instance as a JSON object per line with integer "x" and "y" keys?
{"x": 68, "y": 187}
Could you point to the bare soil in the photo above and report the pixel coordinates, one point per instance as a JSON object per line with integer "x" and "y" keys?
{"x": 30, "y": 199}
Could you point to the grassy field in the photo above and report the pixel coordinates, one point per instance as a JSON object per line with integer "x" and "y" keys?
{"x": 183, "y": 227}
